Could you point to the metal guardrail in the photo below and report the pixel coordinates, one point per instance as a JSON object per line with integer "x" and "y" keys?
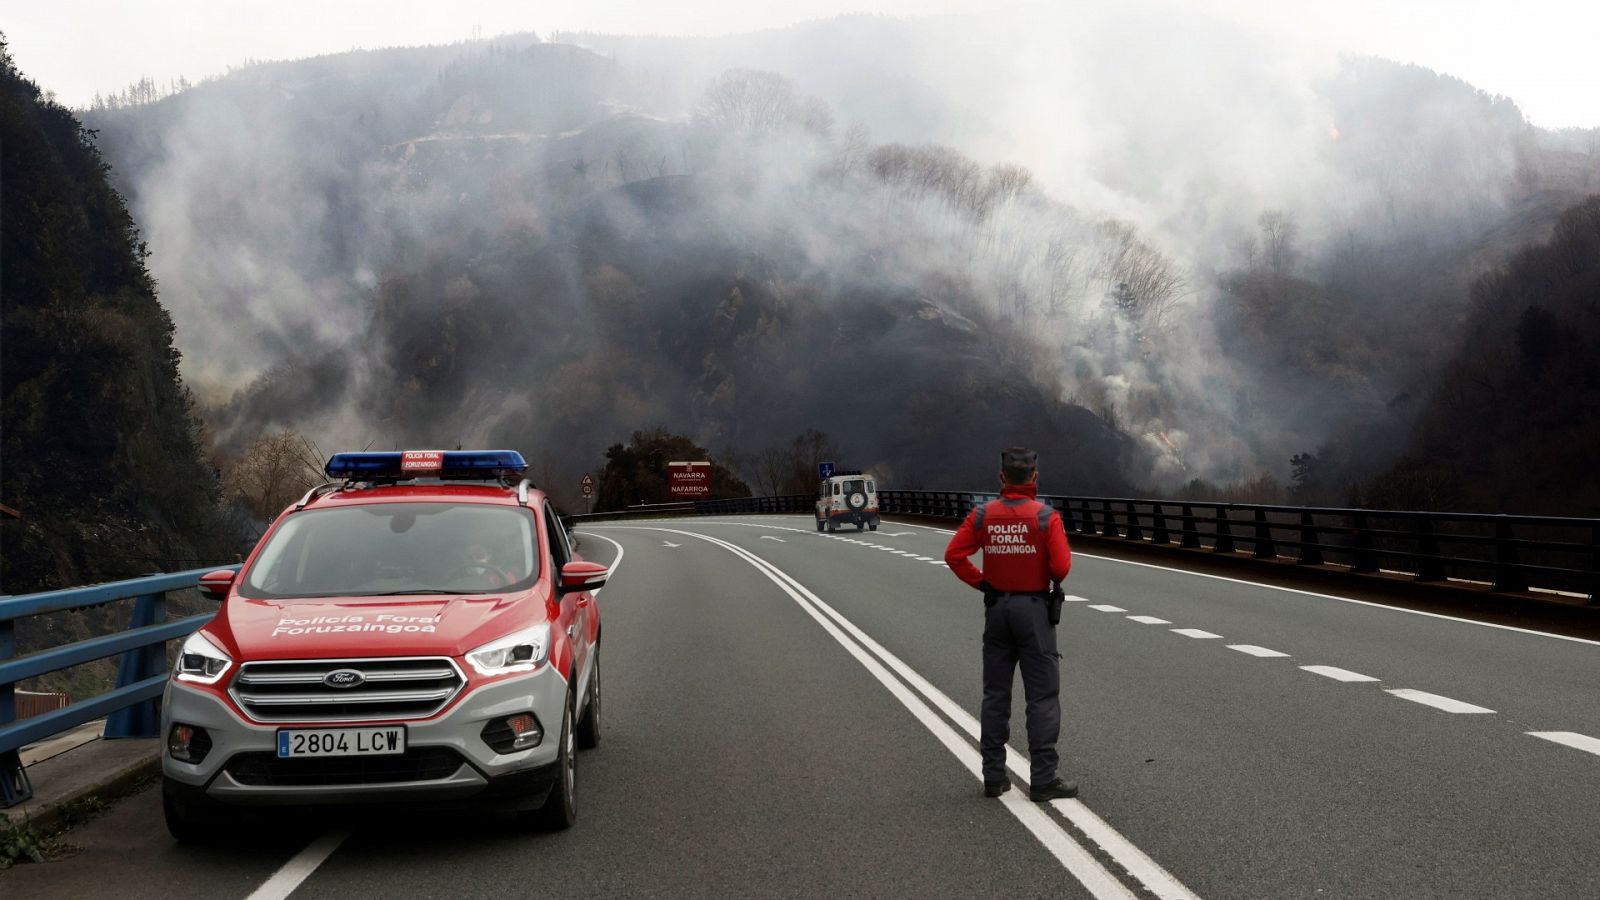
{"x": 1509, "y": 554}
{"x": 131, "y": 707}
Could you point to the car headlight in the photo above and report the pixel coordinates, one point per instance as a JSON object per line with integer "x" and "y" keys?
{"x": 200, "y": 661}
{"x": 522, "y": 651}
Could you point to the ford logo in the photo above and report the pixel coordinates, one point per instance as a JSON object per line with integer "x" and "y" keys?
{"x": 343, "y": 678}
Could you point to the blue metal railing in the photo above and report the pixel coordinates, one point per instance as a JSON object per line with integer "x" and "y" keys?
{"x": 131, "y": 707}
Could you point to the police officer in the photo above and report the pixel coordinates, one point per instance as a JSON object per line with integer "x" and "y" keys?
{"x": 1024, "y": 549}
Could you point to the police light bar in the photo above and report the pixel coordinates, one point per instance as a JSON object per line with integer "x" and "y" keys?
{"x": 427, "y": 463}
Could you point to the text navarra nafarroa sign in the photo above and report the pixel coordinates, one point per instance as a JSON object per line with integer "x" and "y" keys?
{"x": 689, "y": 480}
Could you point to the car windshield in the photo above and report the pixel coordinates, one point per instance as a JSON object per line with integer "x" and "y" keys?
{"x": 383, "y": 549}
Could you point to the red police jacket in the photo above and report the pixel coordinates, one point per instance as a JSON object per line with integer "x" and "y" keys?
{"x": 1023, "y": 541}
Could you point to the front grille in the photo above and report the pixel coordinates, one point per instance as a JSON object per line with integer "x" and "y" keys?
{"x": 295, "y": 690}
{"x": 267, "y": 770}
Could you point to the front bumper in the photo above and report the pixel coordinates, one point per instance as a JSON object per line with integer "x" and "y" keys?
{"x": 526, "y": 774}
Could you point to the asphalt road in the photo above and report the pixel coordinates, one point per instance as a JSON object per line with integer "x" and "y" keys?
{"x": 789, "y": 713}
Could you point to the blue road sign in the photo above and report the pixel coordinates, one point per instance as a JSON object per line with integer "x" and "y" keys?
{"x": 825, "y": 470}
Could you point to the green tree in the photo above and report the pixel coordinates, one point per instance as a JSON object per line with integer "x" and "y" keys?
{"x": 636, "y": 472}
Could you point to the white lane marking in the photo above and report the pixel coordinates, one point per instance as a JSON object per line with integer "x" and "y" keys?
{"x": 896, "y": 533}
{"x": 1571, "y": 739}
{"x": 1436, "y": 701}
{"x": 923, "y": 558}
{"x": 667, "y": 544}
{"x": 1195, "y": 633}
{"x": 768, "y": 537}
{"x": 1106, "y": 607}
{"x": 1414, "y": 612}
{"x": 612, "y": 571}
{"x": 1338, "y": 674}
{"x": 1083, "y": 866}
{"x": 299, "y": 868}
{"x": 1073, "y": 598}
{"x": 1145, "y": 620}
{"x": 1253, "y": 650}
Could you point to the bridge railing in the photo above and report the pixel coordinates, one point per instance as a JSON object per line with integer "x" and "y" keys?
{"x": 1510, "y": 554}
{"x": 131, "y": 707}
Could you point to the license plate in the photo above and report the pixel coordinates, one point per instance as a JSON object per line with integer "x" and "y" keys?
{"x": 385, "y": 741}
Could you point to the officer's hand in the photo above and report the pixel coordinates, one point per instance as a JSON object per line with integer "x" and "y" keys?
{"x": 990, "y": 595}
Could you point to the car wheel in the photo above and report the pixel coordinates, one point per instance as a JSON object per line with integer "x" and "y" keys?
{"x": 833, "y": 525}
{"x": 558, "y": 811}
{"x": 589, "y": 725}
{"x": 860, "y": 526}
{"x": 188, "y": 823}
{"x": 821, "y": 526}
{"x": 873, "y": 525}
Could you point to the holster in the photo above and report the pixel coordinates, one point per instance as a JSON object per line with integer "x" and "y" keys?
{"x": 1058, "y": 598}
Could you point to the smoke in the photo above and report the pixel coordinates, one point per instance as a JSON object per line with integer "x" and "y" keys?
{"x": 1045, "y": 223}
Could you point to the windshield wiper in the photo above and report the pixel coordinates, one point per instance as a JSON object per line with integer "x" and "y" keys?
{"x": 413, "y": 591}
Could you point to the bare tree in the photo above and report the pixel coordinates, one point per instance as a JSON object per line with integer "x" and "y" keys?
{"x": 1149, "y": 282}
{"x": 751, "y": 103}
{"x": 1277, "y": 241}
{"x": 272, "y": 472}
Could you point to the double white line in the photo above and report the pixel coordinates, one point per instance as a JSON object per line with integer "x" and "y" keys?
{"x": 901, "y": 680}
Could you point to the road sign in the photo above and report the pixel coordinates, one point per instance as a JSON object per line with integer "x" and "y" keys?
{"x": 825, "y": 470}
{"x": 689, "y": 480}
{"x": 587, "y": 485}
{"x": 588, "y": 490}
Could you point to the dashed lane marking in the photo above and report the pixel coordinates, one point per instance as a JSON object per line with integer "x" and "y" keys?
{"x": 1146, "y": 620}
{"x": 1195, "y": 633}
{"x": 1253, "y": 650}
{"x": 1073, "y": 598}
{"x": 1106, "y": 607}
{"x": 1436, "y": 701}
{"x": 1338, "y": 674}
{"x": 1571, "y": 739}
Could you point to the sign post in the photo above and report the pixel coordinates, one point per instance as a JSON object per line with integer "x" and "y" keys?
{"x": 587, "y": 486}
{"x": 689, "y": 480}
{"x": 824, "y": 470}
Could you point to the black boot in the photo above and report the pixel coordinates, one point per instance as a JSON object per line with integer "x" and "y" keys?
{"x": 1060, "y": 789}
{"x": 996, "y": 788}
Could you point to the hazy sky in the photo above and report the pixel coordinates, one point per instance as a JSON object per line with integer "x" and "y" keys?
{"x": 1538, "y": 52}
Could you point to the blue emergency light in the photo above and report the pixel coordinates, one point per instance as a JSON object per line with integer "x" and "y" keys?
{"x": 427, "y": 464}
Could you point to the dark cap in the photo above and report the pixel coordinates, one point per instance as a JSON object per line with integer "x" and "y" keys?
{"x": 1018, "y": 458}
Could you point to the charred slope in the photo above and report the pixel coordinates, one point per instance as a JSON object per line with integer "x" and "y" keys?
{"x": 101, "y": 450}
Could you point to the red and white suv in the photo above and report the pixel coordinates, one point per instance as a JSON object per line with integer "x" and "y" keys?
{"x": 420, "y": 629}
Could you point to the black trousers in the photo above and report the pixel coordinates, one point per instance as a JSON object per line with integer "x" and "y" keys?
{"x": 1017, "y": 630}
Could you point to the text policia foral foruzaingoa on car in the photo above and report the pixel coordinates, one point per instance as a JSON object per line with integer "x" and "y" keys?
{"x": 418, "y": 629}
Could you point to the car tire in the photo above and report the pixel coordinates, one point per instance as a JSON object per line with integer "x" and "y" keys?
{"x": 873, "y": 525}
{"x": 187, "y": 821}
{"x": 558, "y": 812}
{"x": 589, "y": 725}
{"x": 833, "y": 526}
{"x": 821, "y": 526}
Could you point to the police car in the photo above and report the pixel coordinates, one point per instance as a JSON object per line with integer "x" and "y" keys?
{"x": 847, "y": 498}
{"x": 417, "y": 629}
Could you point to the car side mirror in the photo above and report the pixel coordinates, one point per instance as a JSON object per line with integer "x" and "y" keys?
{"x": 217, "y": 584}
{"x": 583, "y": 576}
